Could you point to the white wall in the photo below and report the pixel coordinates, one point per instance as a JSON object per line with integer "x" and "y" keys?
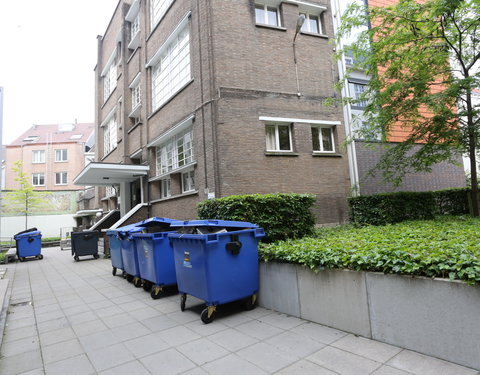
{"x": 49, "y": 225}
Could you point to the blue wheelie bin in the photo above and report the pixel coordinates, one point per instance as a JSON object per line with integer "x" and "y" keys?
{"x": 216, "y": 261}
{"x": 115, "y": 239}
{"x": 155, "y": 256}
{"x": 29, "y": 244}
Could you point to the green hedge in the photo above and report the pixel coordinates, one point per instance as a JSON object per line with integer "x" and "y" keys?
{"x": 282, "y": 216}
{"x": 447, "y": 247}
{"x": 389, "y": 208}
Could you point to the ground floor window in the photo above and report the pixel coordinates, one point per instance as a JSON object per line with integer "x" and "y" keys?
{"x": 188, "y": 181}
{"x": 61, "y": 178}
{"x": 38, "y": 179}
{"x": 322, "y": 139}
{"x": 279, "y": 137}
{"x": 165, "y": 187}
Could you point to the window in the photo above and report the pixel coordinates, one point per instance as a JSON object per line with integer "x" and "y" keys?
{"x": 61, "y": 155}
{"x": 322, "y": 139}
{"x": 110, "y": 191}
{"x": 38, "y": 156}
{"x": 358, "y": 91}
{"x": 38, "y": 179}
{"x": 172, "y": 71}
{"x": 109, "y": 76}
{"x": 135, "y": 27}
{"x": 157, "y": 10}
{"x": 266, "y": 15}
{"x": 311, "y": 24}
{"x": 61, "y": 178}
{"x": 136, "y": 96}
{"x": 279, "y": 137}
{"x": 176, "y": 153}
{"x": 109, "y": 135}
{"x": 165, "y": 188}
{"x": 188, "y": 181}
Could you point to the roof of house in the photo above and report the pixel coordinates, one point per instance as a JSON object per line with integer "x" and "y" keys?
{"x": 55, "y": 133}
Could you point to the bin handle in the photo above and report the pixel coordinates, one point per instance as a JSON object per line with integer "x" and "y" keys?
{"x": 87, "y": 236}
{"x": 30, "y": 239}
{"x": 234, "y": 246}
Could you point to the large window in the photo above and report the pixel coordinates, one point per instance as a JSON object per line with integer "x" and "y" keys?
{"x": 279, "y": 137}
{"x": 38, "y": 156}
{"x": 322, "y": 139}
{"x": 172, "y": 71}
{"x": 61, "y": 155}
{"x": 38, "y": 179}
{"x": 109, "y": 76}
{"x": 358, "y": 91}
{"x": 312, "y": 24}
{"x": 188, "y": 181}
{"x": 109, "y": 135}
{"x": 176, "y": 153}
{"x": 266, "y": 15}
{"x": 61, "y": 178}
{"x": 157, "y": 10}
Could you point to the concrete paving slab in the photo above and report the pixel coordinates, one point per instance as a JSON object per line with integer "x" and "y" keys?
{"x": 72, "y": 318}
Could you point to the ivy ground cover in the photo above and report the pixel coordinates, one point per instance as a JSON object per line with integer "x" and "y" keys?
{"x": 447, "y": 247}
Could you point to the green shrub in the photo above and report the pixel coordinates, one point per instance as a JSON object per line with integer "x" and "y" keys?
{"x": 282, "y": 216}
{"x": 446, "y": 247}
{"x": 389, "y": 208}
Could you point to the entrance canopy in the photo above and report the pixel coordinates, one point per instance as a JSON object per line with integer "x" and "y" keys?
{"x": 98, "y": 174}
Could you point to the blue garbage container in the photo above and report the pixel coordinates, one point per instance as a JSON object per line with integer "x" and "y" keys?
{"x": 115, "y": 239}
{"x": 155, "y": 257}
{"x": 216, "y": 261}
{"x": 29, "y": 244}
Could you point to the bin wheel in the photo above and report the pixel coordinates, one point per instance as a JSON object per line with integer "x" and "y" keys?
{"x": 76, "y": 258}
{"x": 157, "y": 292}
{"x": 95, "y": 256}
{"x": 129, "y": 278}
{"x": 40, "y": 256}
{"x": 137, "y": 282}
{"x": 114, "y": 271}
{"x": 183, "y": 300}
{"x": 21, "y": 259}
{"x": 250, "y": 302}
{"x": 147, "y": 285}
{"x": 208, "y": 314}
{"x": 124, "y": 274}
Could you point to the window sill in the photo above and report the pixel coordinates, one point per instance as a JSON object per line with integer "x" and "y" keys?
{"x": 132, "y": 54}
{"x": 265, "y": 26}
{"x": 195, "y": 192}
{"x": 278, "y": 153}
{"x": 105, "y": 101}
{"x": 327, "y": 154}
{"x": 61, "y": 161}
{"x": 109, "y": 153}
{"x": 108, "y": 198}
{"x": 134, "y": 127}
{"x": 323, "y": 36}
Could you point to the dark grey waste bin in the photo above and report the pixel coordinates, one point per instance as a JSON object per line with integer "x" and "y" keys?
{"x": 84, "y": 243}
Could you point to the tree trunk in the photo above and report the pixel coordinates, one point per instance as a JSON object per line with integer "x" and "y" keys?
{"x": 472, "y": 143}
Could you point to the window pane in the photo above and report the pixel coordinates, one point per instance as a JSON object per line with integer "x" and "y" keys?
{"x": 259, "y": 14}
{"x": 284, "y": 137}
{"x": 315, "y": 139}
{"x": 327, "y": 141}
{"x": 271, "y": 137}
{"x": 313, "y": 24}
{"x": 272, "y": 16}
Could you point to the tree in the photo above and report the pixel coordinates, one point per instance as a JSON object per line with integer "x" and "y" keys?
{"x": 25, "y": 199}
{"x": 423, "y": 58}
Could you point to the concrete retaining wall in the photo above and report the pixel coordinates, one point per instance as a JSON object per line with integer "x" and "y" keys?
{"x": 435, "y": 317}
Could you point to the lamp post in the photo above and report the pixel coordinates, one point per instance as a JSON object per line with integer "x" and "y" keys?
{"x": 300, "y": 21}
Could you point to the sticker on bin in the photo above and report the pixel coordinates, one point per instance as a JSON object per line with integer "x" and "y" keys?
{"x": 186, "y": 259}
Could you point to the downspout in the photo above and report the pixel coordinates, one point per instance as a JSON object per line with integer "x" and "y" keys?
{"x": 347, "y": 114}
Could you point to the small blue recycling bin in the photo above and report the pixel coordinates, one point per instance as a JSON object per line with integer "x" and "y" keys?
{"x": 115, "y": 239}
{"x": 216, "y": 261}
{"x": 155, "y": 256}
{"x": 29, "y": 244}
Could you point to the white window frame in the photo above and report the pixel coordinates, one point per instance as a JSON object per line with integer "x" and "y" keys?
{"x": 38, "y": 156}
{"x": 109, "y": 76}
{"x": 136, "y": 96}
{"x": 306, "y": 25}
{"x": 135, "y": 27}
{"x": 165, "y": 188}
{"x": 63, "y": 178}
{"x": 61, "y": 155}
{"x": 36, "y": 178}
{"x": 320, "y": 139}
{"x": 358, "y": 93}
{"x": 158, "y": 8}
{"x": 265, "y": 8}
{"x": 171, "y": 66}
{"x": 173, "y": 155}
{"x": 110, "y": 191}
{"x": 277, "y": 137}
{"x": 109, "y": 133}
{"x": 188, "y": 181}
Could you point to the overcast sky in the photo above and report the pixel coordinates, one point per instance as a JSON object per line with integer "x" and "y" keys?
{"x": 47, "y": 56}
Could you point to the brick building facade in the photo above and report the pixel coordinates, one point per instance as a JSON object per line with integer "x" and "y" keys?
{"x": 201, "y": 99}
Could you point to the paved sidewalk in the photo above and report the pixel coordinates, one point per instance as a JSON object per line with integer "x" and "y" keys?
{"x": 76, "y": 318}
